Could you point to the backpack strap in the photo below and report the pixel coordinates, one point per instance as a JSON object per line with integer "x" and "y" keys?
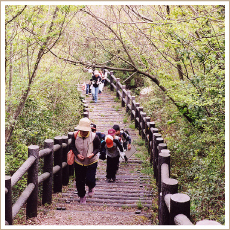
{"x": 75, "y": 134}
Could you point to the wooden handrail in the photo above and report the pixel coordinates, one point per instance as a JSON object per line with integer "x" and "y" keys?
{"x": 53, "y": 153}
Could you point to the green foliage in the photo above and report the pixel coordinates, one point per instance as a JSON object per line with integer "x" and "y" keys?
{"x": 117, "y": 107}
{"x": 125, "y": 120}
{"x": 117, "y": 99}
{"x": 53, "y": 108}
{"x": 139, "y": 205}
{"x": 197, "y": 156}
{"x": 132, "y": 126}
{"x": 140, "y": 142}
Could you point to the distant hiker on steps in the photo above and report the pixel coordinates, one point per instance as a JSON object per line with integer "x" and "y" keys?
{"x": 85, "y": 146}
{"x": 96, "y": 79}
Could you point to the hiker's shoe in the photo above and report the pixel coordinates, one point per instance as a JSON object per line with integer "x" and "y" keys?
{"x": 109, "y": 180}
{"x": 113, "y": 179}
{"x": 126, "y": 159}
{"x": 91, "y": 192}
{"x": 83, "y": 200}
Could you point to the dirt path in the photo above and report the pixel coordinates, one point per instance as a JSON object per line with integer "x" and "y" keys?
{"x": 128, "y": 201}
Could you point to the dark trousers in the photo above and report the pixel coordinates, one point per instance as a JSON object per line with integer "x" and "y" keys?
{"x": 125, "y": 146}
{"x": 85, "y": 175}
{"x": 112, "y": 167}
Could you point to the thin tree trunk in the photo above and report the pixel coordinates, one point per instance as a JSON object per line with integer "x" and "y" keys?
{"x": 9, "y": 130}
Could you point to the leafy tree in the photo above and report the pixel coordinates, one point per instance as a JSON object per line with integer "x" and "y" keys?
{"x": 30, "y": 33}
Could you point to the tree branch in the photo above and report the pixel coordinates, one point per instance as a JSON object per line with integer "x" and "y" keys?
{"x": 15, "y": 15}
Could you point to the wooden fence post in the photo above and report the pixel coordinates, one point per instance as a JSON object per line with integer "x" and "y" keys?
{"x": 32, "y": 202}
{"x": 133, "y": 108}
{"x": 142, "y": 125}
{"x": 71, "y": 167}
{"x": 111, "y": 81}
{"x": 127, "y": 101}
{"x": 136, "y": 114}
{"x": 152, "y": 130}
{"x": 65, "y": 170}
{"x": 132, "y": 99}
{"x": 58, "y": 161}
{"x": 158, "y": 141}
{"x": 155, "y": 136}
{"x": 48, "y": 167}
{"x": 147, "y": 128}
{"x": 123, "y": 96}
{"x": 151, "y": 125}
{"x": 8, "y": 201}
{"x": 179, "y": 204}
{"x": 164, "y": 157}
{"x": 169, "y": 186}
{"x": 86, "y": 114}
{"x": 117, "y": 87}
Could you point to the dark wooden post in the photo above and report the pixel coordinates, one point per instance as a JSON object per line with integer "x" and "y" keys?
{"x": 127, "y": 101}
{"x": 58, "y": 161}
{"x": 71, "y": 167}
{"x": 133, "y": 108}
{"x": 86, "y": 114}
{"x": 155, "y": 136}
{"x": 137, "y": 114}
{"x": 123, "y": 96}
{"x": 152, "y": 130}
{"x": 164, "y": 157}
{"x": 32, "y": 202}
{"x": 168, "y": 186}
{"x": 86, "y": 110}
{"x": 179, "y": 204}
{"x": 48, "y": 167}
{"x": 142, "y": 128}
{"x": 151, "y": 125}
{"x": 8, "y": 201}
{"x": 65, "y": 170}
{"x": 111, "y": 81}
{"x": 117, "y": 87}
{"x": 158, "y": 141}
{"x": 147, "y": 128}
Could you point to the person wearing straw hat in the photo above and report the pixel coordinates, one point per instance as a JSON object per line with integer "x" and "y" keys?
{"x": 111, "y": 148}
{"x": 85, "y": 146}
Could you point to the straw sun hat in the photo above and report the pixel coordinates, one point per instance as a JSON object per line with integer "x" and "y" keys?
{"x": 84, "y": 124}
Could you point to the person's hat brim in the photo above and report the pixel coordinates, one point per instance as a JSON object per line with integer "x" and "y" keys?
{"x": 83, "y": 128}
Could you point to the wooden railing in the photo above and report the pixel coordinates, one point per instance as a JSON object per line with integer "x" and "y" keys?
{"x": 173, "y": 207}
{"x": 55, "y": 174}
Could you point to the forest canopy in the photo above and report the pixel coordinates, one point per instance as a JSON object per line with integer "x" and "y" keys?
{"x": 178, "y": 50}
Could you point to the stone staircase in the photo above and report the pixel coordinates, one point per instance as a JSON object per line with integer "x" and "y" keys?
{"x": 128, "y": 201}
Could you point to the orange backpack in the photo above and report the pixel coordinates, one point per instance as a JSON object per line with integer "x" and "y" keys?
{"x": 70, "y": 154}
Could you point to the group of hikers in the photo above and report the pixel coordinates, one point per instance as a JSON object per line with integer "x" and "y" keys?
{"x": 95, "y": 84}
{"x": 88, "y": 146}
